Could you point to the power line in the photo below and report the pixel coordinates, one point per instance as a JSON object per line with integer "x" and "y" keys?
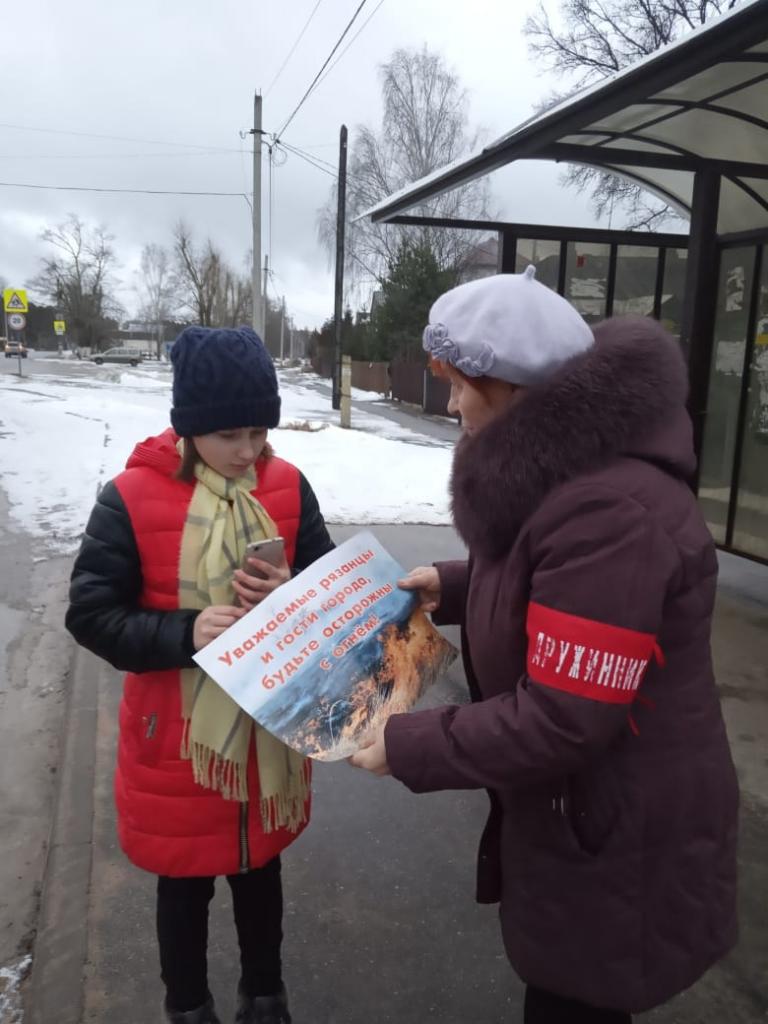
{"x": 113, "y": 156}
{"x": 245, "y": 177}
{"x": 293, "y": 49}
{"x": 309, "y": 159}
{"x": 115, "y": 138}
{"x": 350, "y": 188}
{"x": 327, "y": 168}
{"x": 327, "y": 61}
{"x": 351, "y": 42}
{"x": 131, "y": 191}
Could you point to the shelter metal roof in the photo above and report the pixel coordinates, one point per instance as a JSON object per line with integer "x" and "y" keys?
{"x": 701, "y": 101}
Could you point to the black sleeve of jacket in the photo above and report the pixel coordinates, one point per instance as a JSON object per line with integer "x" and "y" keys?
{"x": 313, "y": 539}
{"x": 104, "y": 614}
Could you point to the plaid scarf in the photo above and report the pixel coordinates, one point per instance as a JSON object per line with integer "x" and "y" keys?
{"x": 223, "y": 518}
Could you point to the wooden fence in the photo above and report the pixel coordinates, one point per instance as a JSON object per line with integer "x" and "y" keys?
{"x": 404, "y": 381}
{"x": 371, "y": 377}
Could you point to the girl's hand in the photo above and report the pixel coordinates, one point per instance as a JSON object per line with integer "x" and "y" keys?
{"x": 211, "y": 622}
{"x": 373, "y": 758}
{"x": 251, "y": 590}
{"x": 426, "y": 580}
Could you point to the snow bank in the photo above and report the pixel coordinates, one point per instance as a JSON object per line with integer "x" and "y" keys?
{"x": 62, "y": 437}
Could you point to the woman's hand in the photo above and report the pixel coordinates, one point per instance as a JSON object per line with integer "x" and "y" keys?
{"x": 426, "y": 580}
{"x": 251, "y": 590}
{"x": 373, "y": 757}
{"x": 211, "y": 622}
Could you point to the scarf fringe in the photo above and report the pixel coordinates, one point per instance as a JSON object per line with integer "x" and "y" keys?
{"x": 287, "y": 811}
{"x": 212, "y": 771}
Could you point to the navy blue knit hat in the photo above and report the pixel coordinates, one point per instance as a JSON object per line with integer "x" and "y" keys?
{"x": 223, "y": 378}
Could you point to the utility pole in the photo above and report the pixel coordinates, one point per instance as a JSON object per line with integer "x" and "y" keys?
{"x": 259, "y": 320}
{"x": 263, "y": 300}
{"x": 282, "y": 330}
{"x": 339, "y": 290}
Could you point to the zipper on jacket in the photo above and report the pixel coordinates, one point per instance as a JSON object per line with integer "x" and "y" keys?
{"x": 151, "y": 726}
{"x": 245, "y": 858}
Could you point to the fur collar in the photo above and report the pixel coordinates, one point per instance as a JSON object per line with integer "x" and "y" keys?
{"x": 618, "y": 397}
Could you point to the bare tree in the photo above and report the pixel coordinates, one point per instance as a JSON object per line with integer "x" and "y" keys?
{"x": 233, "y": 299}
{"x": 597, "y": 39}
{"x": 78, "y": 277}
{"x": 424, "y": 127}
{"x": 198, "y": 274}
{"x": 157, "y": 287}
{"x": 209, "y": 288}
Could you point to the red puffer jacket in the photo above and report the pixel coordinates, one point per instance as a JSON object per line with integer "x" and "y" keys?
{"x": 124, "y": 606}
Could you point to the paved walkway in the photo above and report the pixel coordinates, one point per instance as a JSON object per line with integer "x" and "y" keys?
{"x": 380, "y": 923}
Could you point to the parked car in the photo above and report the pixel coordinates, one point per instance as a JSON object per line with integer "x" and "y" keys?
{"x": 117, "y": 355}
{"x": 14, "y": 349}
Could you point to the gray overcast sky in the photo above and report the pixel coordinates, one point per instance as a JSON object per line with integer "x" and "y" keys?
{"x": 182, "y": 73}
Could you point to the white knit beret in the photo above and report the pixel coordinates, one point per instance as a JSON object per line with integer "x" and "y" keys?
{"x": 509, "y": 326}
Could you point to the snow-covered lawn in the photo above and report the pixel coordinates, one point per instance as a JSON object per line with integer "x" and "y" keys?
{"x": 62, "y": 437}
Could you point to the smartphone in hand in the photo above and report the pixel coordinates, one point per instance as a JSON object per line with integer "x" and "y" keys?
{"x": 271, "y": 550}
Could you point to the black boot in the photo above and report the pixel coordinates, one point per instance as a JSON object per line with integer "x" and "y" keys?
{"x": 205, "y": 1014}
{"x": 262, "y": 1009}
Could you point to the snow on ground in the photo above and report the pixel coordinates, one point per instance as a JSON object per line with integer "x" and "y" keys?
{"x": 63, "y": 436}
{"x": 11, "y": 978}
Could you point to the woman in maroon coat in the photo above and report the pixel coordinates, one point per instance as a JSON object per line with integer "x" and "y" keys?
{"x": 586, "y": 608}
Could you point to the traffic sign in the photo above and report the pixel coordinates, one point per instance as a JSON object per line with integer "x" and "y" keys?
{"x": 15, "y": 300}
{"x": 16, "y": 322}
{"x": 60, "y": 326}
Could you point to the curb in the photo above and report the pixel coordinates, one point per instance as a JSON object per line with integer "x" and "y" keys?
{"x": 55, "y": 988}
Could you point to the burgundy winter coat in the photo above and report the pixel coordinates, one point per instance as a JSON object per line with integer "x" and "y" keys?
{"x": 586, "y": 610}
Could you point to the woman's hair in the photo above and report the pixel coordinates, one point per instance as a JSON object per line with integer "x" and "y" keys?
{"x": 190, "y": 458}
{"x": 445, "y": 371}
{"x": 441, "y": 369}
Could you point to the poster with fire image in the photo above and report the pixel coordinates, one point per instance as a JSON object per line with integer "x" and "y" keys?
{"x": 330, "y": 655}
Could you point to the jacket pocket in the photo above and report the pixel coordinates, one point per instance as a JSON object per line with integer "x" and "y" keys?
{"x": 593, "y": 809}
{"x": 147, "y": 737}
{"x": 148, "y": 717}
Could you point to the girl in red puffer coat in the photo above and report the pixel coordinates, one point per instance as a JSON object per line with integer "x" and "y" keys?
{"x": 201, "y": 790}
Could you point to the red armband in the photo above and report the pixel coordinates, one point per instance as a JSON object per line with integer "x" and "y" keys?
{"x": 585, "y": 657}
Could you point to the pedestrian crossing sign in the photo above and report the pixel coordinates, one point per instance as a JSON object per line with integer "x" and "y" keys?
{"x": 15, "y": 300}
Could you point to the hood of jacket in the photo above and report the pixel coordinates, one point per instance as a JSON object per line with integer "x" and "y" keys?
{"x": 624, "y": 397}
{"x": 158, "y": 452}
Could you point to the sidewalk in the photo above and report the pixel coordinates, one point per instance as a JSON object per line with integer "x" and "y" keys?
{"x": 35, "y": 655}
{"x": 412, "y": 417}
{"x": 380, "y": 921}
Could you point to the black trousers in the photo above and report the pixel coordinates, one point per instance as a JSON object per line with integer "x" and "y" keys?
{"x": 182, "y": 933}
{"x": 546, "y": 1008}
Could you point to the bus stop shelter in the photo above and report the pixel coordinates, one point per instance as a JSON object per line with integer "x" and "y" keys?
{"x": 690, "y": 124}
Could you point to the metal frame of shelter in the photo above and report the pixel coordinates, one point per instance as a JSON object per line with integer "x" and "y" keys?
{"x": 690, "y": 124}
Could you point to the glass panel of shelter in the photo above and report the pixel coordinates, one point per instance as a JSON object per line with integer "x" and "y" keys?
{"x": 634, "y": 288}
{"x": 586, "y": 278}
{"x": 750, "y": 532}
{"x": 719, "y": 445}
{"x": 544, "y": 255}
{"x": 673, "y": 290}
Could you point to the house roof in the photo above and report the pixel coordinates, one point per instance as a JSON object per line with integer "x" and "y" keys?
{"x": 700, "y": 101}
